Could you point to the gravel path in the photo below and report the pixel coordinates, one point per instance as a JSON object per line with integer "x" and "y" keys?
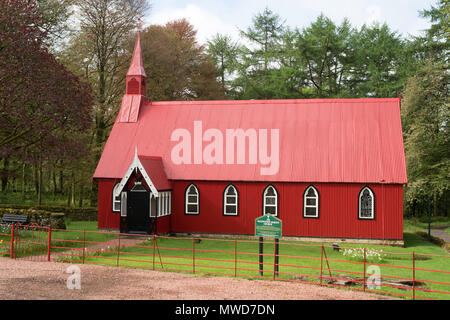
{"x": 47, "y": 280}
{"x": 441, "y": 234}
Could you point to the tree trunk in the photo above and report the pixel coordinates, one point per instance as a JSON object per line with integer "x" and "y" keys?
{"x": 35, "y": 178}
{"x": 40, "y": 183}
{"x": 68, "y": 195}
{"x": 72, "y": 201}
{"x": 5, "y": 172}
{"x": 435, "y": 213}
{"x": 80, "y": 199}
{"x": 61, "y": 181}
{"x": 55, "y": 187}
{"x": 23, "y": 182}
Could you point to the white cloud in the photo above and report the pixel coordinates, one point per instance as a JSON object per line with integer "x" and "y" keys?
{"x": 213, "y": 16}
{"x": 205, "y": 22}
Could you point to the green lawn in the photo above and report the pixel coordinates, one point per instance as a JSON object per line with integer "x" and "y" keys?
{"x": 298, "y": 261}
{"x": 415, "y": 224}
{"x": 34, "y": 242}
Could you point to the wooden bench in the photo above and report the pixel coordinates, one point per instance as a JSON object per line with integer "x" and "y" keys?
{"x": 15, "y": 218}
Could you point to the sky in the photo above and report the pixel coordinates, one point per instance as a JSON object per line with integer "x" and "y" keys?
{"x": 210, "y": 17}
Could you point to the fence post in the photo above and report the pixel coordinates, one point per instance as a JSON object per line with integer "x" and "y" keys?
{"x": 118, "y": 251}
{"x": 274, "y": 258}
{"x": 321, "y": 264}
{"x": 193, "y": 255}
{"x": 414, "y": 276}
{"x": 261, "y": 257}
{"x": 84, "y": 243}
{"x": 154, "y": 245}
{"x": 235, "y": 258}
{"x": 364, "y": 277}
{"x": 13, "y": 227}
{"x": 49, "y": 243}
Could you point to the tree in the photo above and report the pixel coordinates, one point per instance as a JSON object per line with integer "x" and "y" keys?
{"x": 326, "y": 54}
{"x": 260, "y": 57}
{"x": 223, "y": 52}
{"x": 177, "y": 67}
{"x": 435, "y": 43}
{"x": 379, "y": 63}
{"x": 98, "y": 45}
{"x": 44, "y": 108}
{"x": 38, "y": 96}
{"x": 426, "y": 117}
{"x": 55, "y": 15}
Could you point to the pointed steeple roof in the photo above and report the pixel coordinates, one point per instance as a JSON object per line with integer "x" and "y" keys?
{"x": 137, "y": 64}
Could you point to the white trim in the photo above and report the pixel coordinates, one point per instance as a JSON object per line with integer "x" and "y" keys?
{"x": 114, "y": 201}
{"x": 225, "y": 203}
{"x": 136, "y": 164}
{"x": 372, "y": 207}
{"x": 186, "y": 200}
{"x": 305, "y": 205}
{"x": 123, "y": 204}
{"x": 265, "y": 196}
{"x": 150, "y": 206}
{"x": 170, "y": 202}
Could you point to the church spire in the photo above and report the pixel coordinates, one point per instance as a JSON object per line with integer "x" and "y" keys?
{"x": 136, "y": 76}
{"x": 135, "y": 94}
{"x": 137, "y": 64}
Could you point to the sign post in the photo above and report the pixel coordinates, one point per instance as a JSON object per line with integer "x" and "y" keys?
{"x": 268, "y": 226}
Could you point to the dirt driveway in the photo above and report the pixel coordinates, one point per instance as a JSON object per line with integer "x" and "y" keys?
{"x": 48, "y": 280}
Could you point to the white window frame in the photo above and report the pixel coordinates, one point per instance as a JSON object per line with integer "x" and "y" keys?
{"x": 225, "y": 203}
{"x": 306, "y": 205}
{"x": 114, "y": 201}
{"x": 186, "y": 200}
{"x": 123, "y": 204}
{"x": 372, "y": 195}
{"x": 170, "y": 203}
{"x": 265, "y": 196}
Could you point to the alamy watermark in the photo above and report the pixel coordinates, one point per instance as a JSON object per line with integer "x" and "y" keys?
{"x": 74, "y": 280}
{"x": 229, "y": 147}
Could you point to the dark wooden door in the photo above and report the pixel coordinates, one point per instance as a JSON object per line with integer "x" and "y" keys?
{"x": 138, "y": 212}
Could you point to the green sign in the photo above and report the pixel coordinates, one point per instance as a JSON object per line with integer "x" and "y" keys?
{"x": 268, "y": 226}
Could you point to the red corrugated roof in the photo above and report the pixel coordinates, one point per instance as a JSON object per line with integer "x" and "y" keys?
{"x": 155, "y": 169}
{"x": 323, "y": 140}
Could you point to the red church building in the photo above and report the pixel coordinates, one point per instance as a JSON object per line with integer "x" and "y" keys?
{"x": 328, "y": 168}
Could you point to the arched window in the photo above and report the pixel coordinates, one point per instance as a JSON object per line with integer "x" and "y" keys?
{"x": 230, "y": 201}
{"x": 191, "y": 200}
{"x": 270, "y": 201}
{"x": 311, "y": 203}
{"x": 366, "y": 204}
{"x": 115, "y": 200}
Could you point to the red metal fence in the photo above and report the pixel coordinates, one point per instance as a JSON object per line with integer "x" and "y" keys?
{"x": 404, "y": 274}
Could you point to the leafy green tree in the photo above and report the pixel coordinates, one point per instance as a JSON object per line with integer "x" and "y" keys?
{"x": 223, "y": 52}
{"x": 56, "y": 15}
{"x": 378, "y": 62}
{"x": 259, "y": 56}
{"x": 326, "y": 53}
{"x": 177, "y": 66}
{"x": 426, "y": 117}
{"x": 435, "y": 43}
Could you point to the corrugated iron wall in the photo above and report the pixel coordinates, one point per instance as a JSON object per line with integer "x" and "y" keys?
{"x": 338, "y": 215}
{"x": 107, "y": 219}
{"x": 338, "y": 210}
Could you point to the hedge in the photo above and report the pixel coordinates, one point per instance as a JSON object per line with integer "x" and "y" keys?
{"x": 74, "y": 214}
{"x": 50, "y": 215}
{"x": 40, "y": 217}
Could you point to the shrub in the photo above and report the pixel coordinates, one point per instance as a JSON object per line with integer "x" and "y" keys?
{"x": 358, "y": 254}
